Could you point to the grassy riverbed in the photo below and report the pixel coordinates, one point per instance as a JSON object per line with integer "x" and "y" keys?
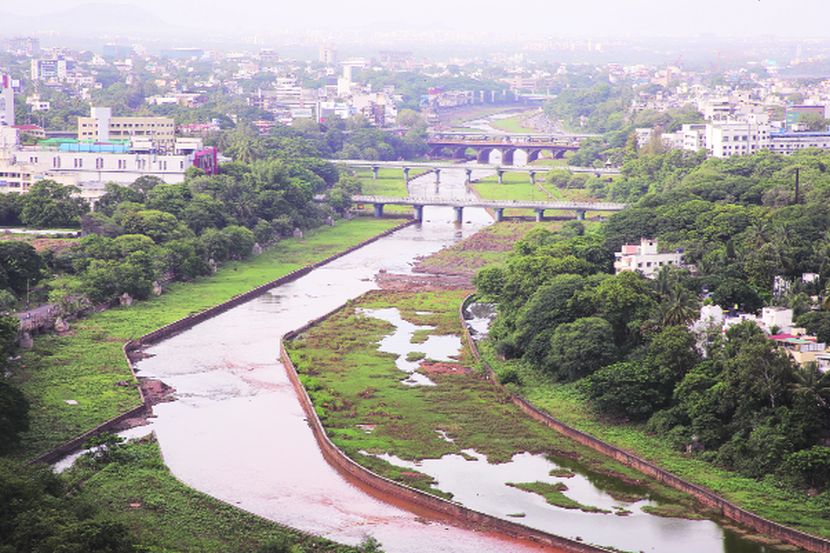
{"x": 486, "y": 247}
{"x": 86, "y": 367}
{"x": 358, "y": 393}
{"x": 390, "y": 183}
{"x": 565, "y": 402}
{"x": 166, "y": 516}
{"x": 516, "y": 186}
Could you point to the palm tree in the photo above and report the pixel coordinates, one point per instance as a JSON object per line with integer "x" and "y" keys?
{"x": 679, "y": 308}
{"x": 812, "y": 385}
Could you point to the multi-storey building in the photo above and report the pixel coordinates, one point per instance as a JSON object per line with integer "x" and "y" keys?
{"x": 102, "y": 126}
{"x": 6, "y": 100}
{"x": 645, "y": 258}
{"x": 89, "y": 166}
{"x": 736, "y": 138}
{"x": 49, "y": 69}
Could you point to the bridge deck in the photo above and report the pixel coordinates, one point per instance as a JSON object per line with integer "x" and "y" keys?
{"x": 474, "y": 167}
{"x": 493, "y": 204}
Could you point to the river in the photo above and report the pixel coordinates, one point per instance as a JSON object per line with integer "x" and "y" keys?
{"x": 237, "y": 432}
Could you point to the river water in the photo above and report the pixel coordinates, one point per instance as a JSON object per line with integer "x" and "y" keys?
{"x": 237, "y": 431}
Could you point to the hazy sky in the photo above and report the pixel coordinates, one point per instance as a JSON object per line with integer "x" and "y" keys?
{"x": 790, "y": 18}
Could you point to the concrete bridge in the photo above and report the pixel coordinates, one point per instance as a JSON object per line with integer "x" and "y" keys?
{"x": 437, "y": 167}
{"x": 418, "y": 203}
{"x": 482, "y": 145}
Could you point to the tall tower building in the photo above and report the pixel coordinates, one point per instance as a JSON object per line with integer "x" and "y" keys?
{"x": 6, "y": 100}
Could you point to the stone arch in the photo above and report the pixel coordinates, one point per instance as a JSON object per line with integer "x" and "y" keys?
{"x": 533, "y": 155}
{"x": 507, "y": 156}
{"x": 483, "y": 155}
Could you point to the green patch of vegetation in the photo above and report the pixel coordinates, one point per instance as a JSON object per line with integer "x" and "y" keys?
{"x": 415, "y": 356}
{"x": 338, "y": 361}
{"x": 562, "y": 473}
{"x": 139, "y": 491}
{"x": 567, "y": 402}
{"x": 672, "y": 511}
{"x": 517, "y": 186}
{"x": 553, "y": 494}
{"x": 486, "y": 247}
{"x": 390, "y": 183}
{"x": 515, "y": 123}
{"x": 420, "y": 336}
{"x": 87, "y": 365}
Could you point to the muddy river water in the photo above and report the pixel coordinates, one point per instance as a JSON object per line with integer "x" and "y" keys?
{"x": 237, "y": 432}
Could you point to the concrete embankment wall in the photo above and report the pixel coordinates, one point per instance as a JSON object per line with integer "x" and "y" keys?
{"x": 76, "y": 443}
{"x": 405, "y": 496}
{"x": 704, "y": 496}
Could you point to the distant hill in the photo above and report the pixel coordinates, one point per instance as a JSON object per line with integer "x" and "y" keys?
{"x": 96, "y": 19}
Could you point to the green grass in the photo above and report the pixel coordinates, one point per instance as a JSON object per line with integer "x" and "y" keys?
{"x": 565, "y": 402}
{"x": 516, "y": 186}
{"x": 353, "y": 386}
{"x": 551, "y": 162}
{"x": 486, "y": 247}
{"x": 88, "y": 366}
{"x": 554, "y": 496}
{"x": 166, "y": 516}
{"x": 390, "y": 183}
{"x": 514, "y": 124}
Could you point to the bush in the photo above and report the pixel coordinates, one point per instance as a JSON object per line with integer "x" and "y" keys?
{"x": 626, "y": 390}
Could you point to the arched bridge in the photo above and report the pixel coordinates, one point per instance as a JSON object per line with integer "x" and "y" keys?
{"x": 482, "y": 145}
{"x": 418, "y": 203}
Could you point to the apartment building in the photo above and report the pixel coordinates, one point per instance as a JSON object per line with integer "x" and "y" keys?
{"x": 645, "y": 258}
{"x": 90, "y": 165}
{"x": 6, "y": 100}
{"x": 101, "y": 126}
{"x": 736, "y": 138}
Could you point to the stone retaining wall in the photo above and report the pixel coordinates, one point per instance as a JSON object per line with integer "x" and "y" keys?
{"x": 405, "y": 496}
{"x": 704, "y": 496}
{"x": 76, "y": 443}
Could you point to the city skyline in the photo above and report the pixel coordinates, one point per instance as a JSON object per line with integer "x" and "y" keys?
{"x": 590, "y": 18}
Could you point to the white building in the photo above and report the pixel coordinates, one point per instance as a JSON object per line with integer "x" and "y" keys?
{"x": 645, "y": 258}
{"x": 789, "y": 142}
{"x": 6, "y": 100}
{"x": 91, "y": 166}
{"x": 736, "y": 138}
{"x": 49, "y": 69}
{"x": 37, "y": 104}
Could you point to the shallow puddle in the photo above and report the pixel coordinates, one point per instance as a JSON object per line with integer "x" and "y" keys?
{"x": 482, "y": 486}
{"x": 436, "y": 348}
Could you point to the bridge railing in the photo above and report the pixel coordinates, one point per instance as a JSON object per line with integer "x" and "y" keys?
{"x": 473, "y": 202}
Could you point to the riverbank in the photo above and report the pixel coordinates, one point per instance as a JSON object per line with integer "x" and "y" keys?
{"x": 488, "y": 246}
{"x": 413, "y": 428}
{"x": 80, "y": 379}
{"x": 566, "y": 403}
{"x": 138, "y": 490}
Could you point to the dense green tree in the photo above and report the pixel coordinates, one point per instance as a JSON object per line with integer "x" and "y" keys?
{"x": 579, "y": 348}
{"x": 627, "y": 390}
{"x": 49, "y": 204}
{"x": 20, "y": 266}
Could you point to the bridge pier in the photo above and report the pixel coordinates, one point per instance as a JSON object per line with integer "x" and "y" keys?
{"x": 580, "y": 214}
{"x": 500, "y": 173}
{"x": 419, "y": 213}
{"x": 459, "y": 214}
{"x": 533, "y": 178}
{"x": 406, "y": 174}
{"x": 540, "y": 215}
{"x": 437, "y": 175}
{"x": 379, "y": 210}
{"x": 469, "y": 175}
{"x": 375, "y": 170}
{"x": 499, "y": 214}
